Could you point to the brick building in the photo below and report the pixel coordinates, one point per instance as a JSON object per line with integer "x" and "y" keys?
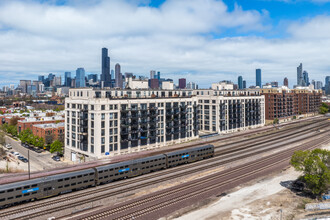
{"x": 29, "y": 122}
{"x": 42, "y": 130}
{"x": 283, "y": 103}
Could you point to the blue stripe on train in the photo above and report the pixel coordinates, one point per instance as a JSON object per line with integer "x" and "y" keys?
{"x": 123, "y": 170}
{"x": 30, "y": 190}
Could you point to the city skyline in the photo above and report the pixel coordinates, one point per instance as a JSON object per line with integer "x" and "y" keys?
{"x": 248, "y": 37}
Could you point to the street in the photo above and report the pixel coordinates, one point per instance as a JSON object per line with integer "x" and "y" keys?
{"x": 38, "y": 161}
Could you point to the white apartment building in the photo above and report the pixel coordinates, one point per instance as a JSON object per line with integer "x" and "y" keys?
{"x": 106, "y": 122}
{"x": 100, "y": 123}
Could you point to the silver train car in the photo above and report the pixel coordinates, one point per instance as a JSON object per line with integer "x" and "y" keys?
{"x": 39, "y": 188}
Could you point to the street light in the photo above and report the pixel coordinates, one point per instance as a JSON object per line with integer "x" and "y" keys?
{"x": 29, "y": 163}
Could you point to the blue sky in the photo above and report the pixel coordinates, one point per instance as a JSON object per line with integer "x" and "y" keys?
{"x": 179, "y": 38}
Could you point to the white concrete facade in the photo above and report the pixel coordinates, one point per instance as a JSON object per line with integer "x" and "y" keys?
{"x": 102, "y": 123}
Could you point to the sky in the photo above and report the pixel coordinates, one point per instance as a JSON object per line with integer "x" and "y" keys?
{"x": 204, "y": 41}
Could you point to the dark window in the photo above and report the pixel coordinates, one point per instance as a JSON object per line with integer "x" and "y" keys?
{"x": 11, "y": 190}
{"x": 19, "y": 196}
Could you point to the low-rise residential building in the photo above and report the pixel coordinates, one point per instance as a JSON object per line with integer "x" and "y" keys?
{"x": 28, "y": 123}
{"x": 224, "y": 85}
{"x": 55, "y": 130}
{"x": 167, "y": 85}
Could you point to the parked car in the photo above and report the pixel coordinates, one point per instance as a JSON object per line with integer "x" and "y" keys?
{"x": 56, "y": 158}
{"x": 8, "y": 146}
{"x": 20, "y": 157}
{"x": 16, "y": 153}
{"x": 25, "y": 160}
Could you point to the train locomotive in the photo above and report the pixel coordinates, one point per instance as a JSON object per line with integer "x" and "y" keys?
{"x": 39, "y": 188}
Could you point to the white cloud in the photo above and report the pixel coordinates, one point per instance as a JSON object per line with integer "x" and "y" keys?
{"x": 174, "y": 39}
{"x": 313, "y": 28}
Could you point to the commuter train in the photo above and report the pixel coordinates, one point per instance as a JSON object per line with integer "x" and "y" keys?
{"x": 29, "y": 190}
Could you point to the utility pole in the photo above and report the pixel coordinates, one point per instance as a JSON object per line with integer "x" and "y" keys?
{"x": 29, "y": 163}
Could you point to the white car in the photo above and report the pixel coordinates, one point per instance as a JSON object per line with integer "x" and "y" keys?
{"x": 16, "y": 153}
{"x": 8, "y": 146}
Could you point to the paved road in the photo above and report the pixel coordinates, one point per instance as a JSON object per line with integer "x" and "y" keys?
{"x": 39, "y": 161}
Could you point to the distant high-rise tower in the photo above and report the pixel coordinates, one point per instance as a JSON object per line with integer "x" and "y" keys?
{"x": 113, "y": 74}
{"x": 258, "y": 77}
{"x": 158, "y": 75}
{"x": 67, "y": 79}
{"x": 92, "y": 77}
{"x": 327, "y": 85}
{"x": 300, "y": 79}
{"x": 152, "y": 74}
{"x": 244, "y": 84}
{"x": 240, "y": 82}
{"x": 119, "y": 76}
{"x": 105, "y": 76}
{"x": 80, "y": 78}
{"x": 182, "y": 83}
{"x": 286, "y": 82}
{"x": 327, "y": 80}
{"x": 306, "y": 79}
{"x": 41, "y": 79}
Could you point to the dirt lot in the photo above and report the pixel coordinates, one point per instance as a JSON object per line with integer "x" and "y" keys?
{"x": 266, "y": 198}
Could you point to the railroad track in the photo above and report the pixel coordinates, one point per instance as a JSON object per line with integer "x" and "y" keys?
{"x": 125, "y": 183}
{"x": 147, "y": 177}
{"x": 304, "y": 123}
{"x": 198, "y": 142}
{"x": 215, "y": 182}
{"x": 252, "y": 143}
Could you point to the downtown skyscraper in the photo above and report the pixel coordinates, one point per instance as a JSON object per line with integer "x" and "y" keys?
{"x": 300, "y": 77}
{"x": 240, "y": 82}
{"x": 258, "y": 77}
{"x": 119, "y": 76}
{"x": 105, "y": 75}
{"x": 80, "y": 78}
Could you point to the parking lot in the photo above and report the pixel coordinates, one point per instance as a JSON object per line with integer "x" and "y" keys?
{"x": 39, "y": 159}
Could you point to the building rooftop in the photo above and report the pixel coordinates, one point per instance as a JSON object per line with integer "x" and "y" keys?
{"x": 33, "y": 119}
{"x": 51, "y": 125}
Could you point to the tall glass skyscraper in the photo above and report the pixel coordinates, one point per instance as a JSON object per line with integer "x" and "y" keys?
{"x": 240, "y": 82}
{"x": 41, "y": 79}
{"x": 258, "y": 77}
{"x": 306, "y": 78}
{"x": 80, "y": 78}
{"x": 300, "y": 78}
{"x": 67, "y": 79}
{"x": 105, "y": 76}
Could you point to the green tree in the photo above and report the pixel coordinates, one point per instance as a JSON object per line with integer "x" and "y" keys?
{"x": 11, "y": 129}
{"x": 40, "y": 142}
{"x": 324, "y": 108}
{"x": 2, "y": 138}
{"x": 275, "y": 121}
{"x": 56, "y": 146}
{"x": 25, "y": 136}
{"x": 315, "y": 167}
